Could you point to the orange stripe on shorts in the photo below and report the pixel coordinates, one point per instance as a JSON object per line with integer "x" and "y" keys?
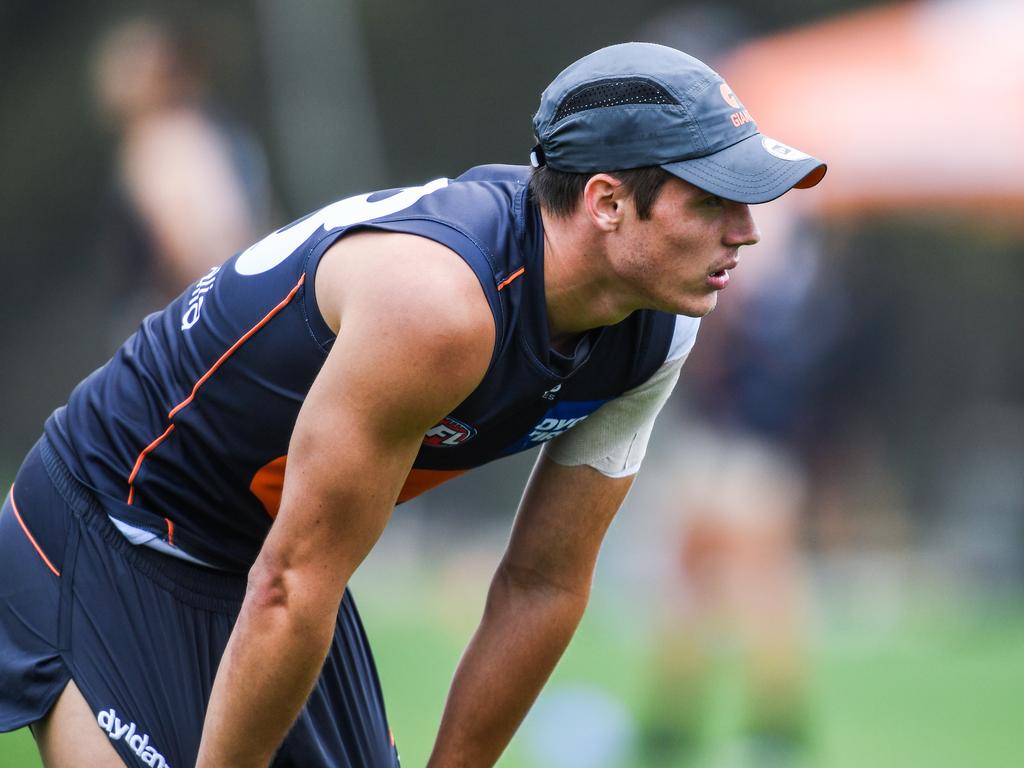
{"x": 31, "y": 538}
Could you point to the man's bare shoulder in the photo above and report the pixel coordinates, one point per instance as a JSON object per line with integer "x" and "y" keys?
{"x": 388, "y": 272}
{"x": 411, "y": 305}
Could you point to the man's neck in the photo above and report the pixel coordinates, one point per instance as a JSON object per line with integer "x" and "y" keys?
{"x": 579, "y": 286}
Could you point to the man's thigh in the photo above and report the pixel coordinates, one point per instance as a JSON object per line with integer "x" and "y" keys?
{"x": 141, "y": 635}
{"x": 78, "y": 602}
{"x": 68, "y": 737}
{"x": 143, "y": 649}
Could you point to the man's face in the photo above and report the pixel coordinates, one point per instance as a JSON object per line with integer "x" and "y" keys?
{"x": 679, "y": 259}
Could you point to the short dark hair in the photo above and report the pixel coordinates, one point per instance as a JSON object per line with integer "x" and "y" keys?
{"x": 558, "y": 192}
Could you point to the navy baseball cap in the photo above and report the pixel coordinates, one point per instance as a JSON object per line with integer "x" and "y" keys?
{"x": 639, "y": 104}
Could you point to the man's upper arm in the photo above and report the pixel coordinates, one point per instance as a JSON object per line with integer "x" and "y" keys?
{"x": 561, "y": 523}
{"x": 396, "y": 367}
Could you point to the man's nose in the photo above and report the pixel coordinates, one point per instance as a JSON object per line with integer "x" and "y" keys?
{"x": 742, "y": 227}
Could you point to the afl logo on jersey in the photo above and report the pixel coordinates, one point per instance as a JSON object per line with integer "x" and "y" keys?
{"x": 448, "y": 433}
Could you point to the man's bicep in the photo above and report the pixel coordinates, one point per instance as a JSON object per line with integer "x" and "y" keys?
{"x": 344, "y": 468}
{"x": 393, "y": 371}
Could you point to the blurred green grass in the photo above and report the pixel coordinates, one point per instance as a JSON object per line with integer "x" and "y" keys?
{"x": 942, "y": 691}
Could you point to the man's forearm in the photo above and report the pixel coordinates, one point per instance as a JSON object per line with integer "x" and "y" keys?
{"x": 271, "y": 662}
{"x": 525, "y": 629}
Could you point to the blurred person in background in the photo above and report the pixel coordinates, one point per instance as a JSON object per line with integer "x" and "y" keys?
{"x": 733, "y": 490}
{"x": 754, "y": 416}
{"x": 188, "y": 184}
{"x": 826, "y": 386}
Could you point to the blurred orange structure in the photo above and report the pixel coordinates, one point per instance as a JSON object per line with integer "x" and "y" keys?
{"x": 914, "y": 105}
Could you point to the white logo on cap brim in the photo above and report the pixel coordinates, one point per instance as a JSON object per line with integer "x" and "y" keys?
{"x": 782, "y": 151}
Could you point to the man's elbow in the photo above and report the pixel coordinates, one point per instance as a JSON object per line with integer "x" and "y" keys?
{"x": 569, "y": 586}
{"x": 268, "y": 586}
{"x": 277, "y": 600}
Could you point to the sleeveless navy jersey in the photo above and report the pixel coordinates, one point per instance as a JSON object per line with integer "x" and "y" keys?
{"x": 184, "y": 433}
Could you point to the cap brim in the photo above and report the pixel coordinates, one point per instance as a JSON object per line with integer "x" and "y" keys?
{"x": 748, "y": 172}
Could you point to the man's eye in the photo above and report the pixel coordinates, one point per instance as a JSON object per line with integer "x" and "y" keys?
{"x": 713, "y": 201}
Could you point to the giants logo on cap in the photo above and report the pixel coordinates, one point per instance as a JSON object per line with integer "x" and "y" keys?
{"x": 449, "y": 432}
{"x": 741, "y": 116}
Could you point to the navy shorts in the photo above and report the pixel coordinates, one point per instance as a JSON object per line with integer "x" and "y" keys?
{"x": 141, "y": 634}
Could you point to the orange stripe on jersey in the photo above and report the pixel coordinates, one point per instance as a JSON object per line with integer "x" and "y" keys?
{"x": 170, "y": 531}
{"x": 511, "y": 277}
{"x": 138, "y": 462}
{"x": 268, "y": 483}
{"x": 422, "y": 480}
{"x": 234, "y": 347}
{"x": 31, "y": 538}
{"x": 205, "y": 377}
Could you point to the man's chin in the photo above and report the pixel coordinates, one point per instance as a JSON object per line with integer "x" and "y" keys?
{"x": 699, "y": 309}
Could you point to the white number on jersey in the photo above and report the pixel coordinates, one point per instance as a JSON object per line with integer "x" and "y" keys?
{"x": 276, "y": 247}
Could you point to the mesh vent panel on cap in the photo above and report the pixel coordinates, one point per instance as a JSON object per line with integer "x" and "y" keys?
{"x": 612, "y": 93}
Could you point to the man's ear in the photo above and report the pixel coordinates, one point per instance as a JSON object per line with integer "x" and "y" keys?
{"x": 603, "y": 199}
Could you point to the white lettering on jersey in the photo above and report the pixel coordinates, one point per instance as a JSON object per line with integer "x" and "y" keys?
{"x": 552, "y": 393}
{"x": 137, "y": 742}
{"x": 195, "y": 302}
{"x": 278, "y": 246}
{"x": 550, "y": 428}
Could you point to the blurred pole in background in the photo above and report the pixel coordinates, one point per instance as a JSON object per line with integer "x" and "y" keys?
{"x": 322, "y": 104}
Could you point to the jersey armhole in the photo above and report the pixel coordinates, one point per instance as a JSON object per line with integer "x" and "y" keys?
{"x": 684, "y": 336}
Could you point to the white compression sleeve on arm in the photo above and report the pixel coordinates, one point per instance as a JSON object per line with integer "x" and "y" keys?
{"x": 614, "y": 439}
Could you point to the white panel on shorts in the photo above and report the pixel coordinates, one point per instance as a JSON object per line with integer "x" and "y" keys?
{"x": 614, "y": 439}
